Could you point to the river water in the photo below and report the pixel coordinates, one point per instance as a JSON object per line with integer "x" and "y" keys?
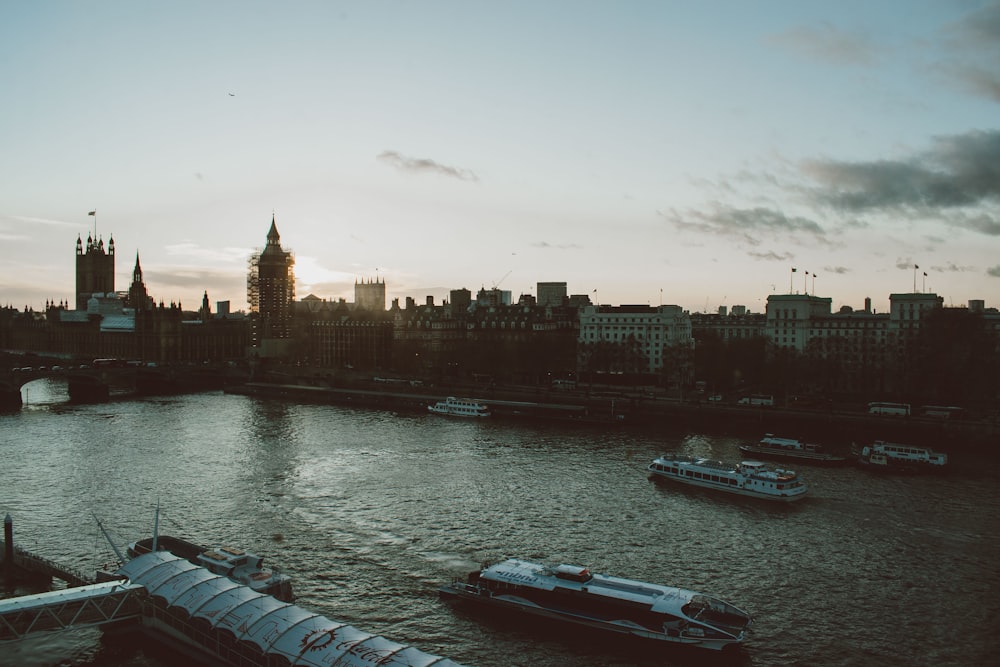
{"x": 371, "y": 511}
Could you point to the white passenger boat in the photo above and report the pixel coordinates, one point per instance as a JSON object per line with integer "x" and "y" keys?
{"x": 895, "y": 457}
{"x": 773, "y": 447}
{"x": 576, "y": 595}
{"x": 749, "y": 478}
{"x": 459, "y": 407}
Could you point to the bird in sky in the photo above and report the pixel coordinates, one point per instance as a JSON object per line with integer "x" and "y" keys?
{"x": 232, "y": 94}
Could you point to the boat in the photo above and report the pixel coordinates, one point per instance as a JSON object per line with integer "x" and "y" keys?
{"x": 773, "y": 447}
{"x": 748, "y": 478}
{"x": 241, "y": 566}
{"x": 895, "y": 457}
{"x": 459, "y": 407}
{"x": 575, "y": 594}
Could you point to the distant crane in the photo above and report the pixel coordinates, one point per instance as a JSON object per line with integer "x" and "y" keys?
{"x": 497, "y": 283}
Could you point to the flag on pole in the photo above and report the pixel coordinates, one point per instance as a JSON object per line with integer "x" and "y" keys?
{"x": 915, "y": 266}
{"x": 92, "y": 213}
{"x": 794, "y": 270}
{"x": 925, "y": 274}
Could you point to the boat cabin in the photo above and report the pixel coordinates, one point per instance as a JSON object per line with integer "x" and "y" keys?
{"x": 225, "y": 559}
{"x": 572, "y": 573}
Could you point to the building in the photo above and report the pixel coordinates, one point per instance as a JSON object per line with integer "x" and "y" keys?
{"x": 95, "y": 269}
{"x": 370, "y": 296}
{"x": 270, "y": 293}
{"x": 728, "y": 326}
{"x": 551, "y": 294}
{"x": 634, "y": 339}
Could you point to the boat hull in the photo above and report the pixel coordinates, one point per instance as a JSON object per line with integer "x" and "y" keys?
{"x": 805, "y": 457}
{"x": 735, "y": 491}
{"x": 512, "y": 605}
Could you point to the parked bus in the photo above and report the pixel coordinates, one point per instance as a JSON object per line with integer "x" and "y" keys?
{"x": 108, "y": 363}
{"x": 941, "y": 411}
{"x": 763, "y": 400}
{"x": 892, "y": 409}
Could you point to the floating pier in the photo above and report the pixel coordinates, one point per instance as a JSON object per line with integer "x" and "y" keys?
{"x": 225, "y": 621}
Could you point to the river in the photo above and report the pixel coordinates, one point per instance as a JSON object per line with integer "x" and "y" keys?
{"x": 371, "y": 511}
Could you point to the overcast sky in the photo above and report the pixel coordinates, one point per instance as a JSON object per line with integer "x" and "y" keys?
{"x": 674, "y": 152}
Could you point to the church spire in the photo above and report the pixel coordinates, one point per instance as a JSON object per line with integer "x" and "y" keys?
{"x": 137, "y": 271}
{"x": 272, "y": 234}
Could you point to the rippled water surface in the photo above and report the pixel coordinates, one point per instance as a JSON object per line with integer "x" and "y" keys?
{"x": 370, "y": 512}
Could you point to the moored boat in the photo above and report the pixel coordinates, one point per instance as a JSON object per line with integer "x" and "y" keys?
{"x": 749, "y": 478}
{"x": 241, "y": 566}
{"x": 896, "y": 457}
{"x": 576, "y": 595}
{"x": 459, "y": 407}
{"x": 774, "y": 447}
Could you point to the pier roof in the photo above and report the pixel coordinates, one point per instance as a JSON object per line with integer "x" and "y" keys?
{"x": 277, "y": 629}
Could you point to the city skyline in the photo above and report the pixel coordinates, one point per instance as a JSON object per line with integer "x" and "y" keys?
{"x": 646, "y": 152}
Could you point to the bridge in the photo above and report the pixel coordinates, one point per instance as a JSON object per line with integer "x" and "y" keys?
{"x": 80, "y": 607}
{"x": 89, "y": 384}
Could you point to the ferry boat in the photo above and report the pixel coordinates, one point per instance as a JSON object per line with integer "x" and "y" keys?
{"x": 460, "y": 407}
{"x": 576, "y": 595}
{"x": 241, "y": 566}
{"x": 749, "y": 478}
{"x": 771, "y": 446}
{"x": 895, "y": 457}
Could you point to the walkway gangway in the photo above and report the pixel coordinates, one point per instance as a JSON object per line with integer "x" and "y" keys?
{"x": 71, "y": 608}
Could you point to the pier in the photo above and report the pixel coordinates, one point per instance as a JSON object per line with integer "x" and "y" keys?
{"x": 225, "y": 621}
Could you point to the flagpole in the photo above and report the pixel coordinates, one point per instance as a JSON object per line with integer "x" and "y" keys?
{"x": 791, "y": 277}
{"x": 805, "y": 285}
{"x": 915, "y": 267}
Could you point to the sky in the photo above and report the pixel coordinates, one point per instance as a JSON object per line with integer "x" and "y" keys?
{"x": 662, "y": 152}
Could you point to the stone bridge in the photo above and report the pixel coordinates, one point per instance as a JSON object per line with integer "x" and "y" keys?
{"x": 89, "y": 384}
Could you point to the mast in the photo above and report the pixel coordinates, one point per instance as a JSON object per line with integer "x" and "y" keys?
{"x": 118, "y": 553}
{"x": 156, "y": 525}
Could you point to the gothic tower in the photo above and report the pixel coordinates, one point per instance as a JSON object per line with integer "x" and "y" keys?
{"x": 95, "y": 269}
{"x": 370, "y": 295}
{"x": 271, "y": 290}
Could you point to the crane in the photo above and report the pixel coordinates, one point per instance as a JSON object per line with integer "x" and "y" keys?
{"x": 497, "y": 283}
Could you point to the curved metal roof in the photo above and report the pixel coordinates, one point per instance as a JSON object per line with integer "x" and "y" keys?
{"x": 277, "y": 628}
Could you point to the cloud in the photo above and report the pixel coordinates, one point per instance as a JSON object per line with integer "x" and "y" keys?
{"x": 983, "y": 223}
{"x": 952, "y": 267}
{"x": 200, "y": 253}
{"x": 556, "y": 246}
{"x": 973, "y": 45}
{"x": 772, "y": 256}
{"x": 6, "y": 219}
{"x": 828, "y": 43}
{"x": 423, "y": 165}
{"x": 750, "y": 225}
{"x": 907, "y": 263}
{"x": 957, "y": 171}
{"x": 994, "y": 271}
{"x": 839, "y": 270}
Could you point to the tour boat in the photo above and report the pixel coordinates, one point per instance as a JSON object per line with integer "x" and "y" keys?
{"x": 894, "y": 457}
{"x": 460, "y": 407}
{"x": 240, "y": 566}
{"x": 749, "y": 478}
{"x": 788, "y": 448}
{"x": 577, "y": 595}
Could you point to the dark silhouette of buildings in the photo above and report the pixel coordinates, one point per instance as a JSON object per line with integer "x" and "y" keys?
{"x": 919, "y": 350}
